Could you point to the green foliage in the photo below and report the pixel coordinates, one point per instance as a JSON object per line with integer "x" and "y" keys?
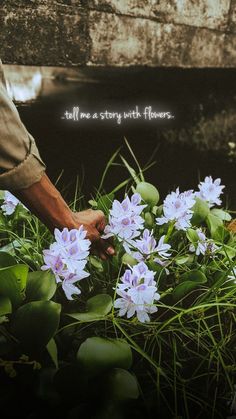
{"x": 120, "y": 385}
{"x": 200, "y": 212}
{"x": 97, "y": 308}
{"x": 13, "y": 282}
{"x": 40, "y": 286}
{"x": 35, "y": 323}
{"x": 148, "y": 192}
{"x": 98, "y": 354}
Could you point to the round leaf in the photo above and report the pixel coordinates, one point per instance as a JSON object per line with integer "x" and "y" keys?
{"x": 200, "y": 212}
{"x": 98, "y": 354}
{"x": 195, "y": 276}
{"x": 40, "y": 286}
{"x": 120, "y": 385}
{"x": 184, "y": 288}
{"x": 148, "y": 192}
{"x": 35, "y": 323}
{"x": 13, "y": 282}
{"x": 213, "y": 223}
{"x": 97, "y": 307}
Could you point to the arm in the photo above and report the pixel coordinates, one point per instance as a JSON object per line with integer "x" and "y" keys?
{"x": 22, "y": 172}
{"x": 44, "y": 200}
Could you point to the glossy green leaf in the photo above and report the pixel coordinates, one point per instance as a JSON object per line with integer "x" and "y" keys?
{"x": 12, "y": 283}
{"x": 192, "y": 235}
{"x": 221, "y": 214}
{"x": 5, "y": 306}
{"x": 98, "y": 354}
{"x": 97, "y": 307}
{"x": 35, "y": 323}
{"x": 189, "y": 281}
{"x": 184, "y": 288}
{"x": 213, "y": 223}
{"x": 194, "y": 275}
{"x": 41, "y": 285}
{"x": 148, "y": 193}
{"x": 96, "y": 263}
{"x": 120, "y": 385}
{"x": 200, "y": 212}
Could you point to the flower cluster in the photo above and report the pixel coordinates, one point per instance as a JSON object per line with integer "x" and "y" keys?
{"x": 138, "y": 292}
{"x": 66, "y": 258}
{"x": 210, "y": 191}
{"x": 204, "y": 245}
{"x": 125, "y": 221}
{"x": 146, "y": 247}
{"x": 177, "y": 208}
{"x": 10, "y": 203}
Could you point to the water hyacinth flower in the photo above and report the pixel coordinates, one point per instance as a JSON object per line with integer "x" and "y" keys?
{"x": 137, "y": 293}
{"x": 10, "y": 203}
{"x": 204, "y": 245}
{"x": 125, "y": 221}
{"x": 67, "y": 258}
{"x": 210, "y": 191}
{"x": 177, "y": 208}
{"x": 146, "y": 246}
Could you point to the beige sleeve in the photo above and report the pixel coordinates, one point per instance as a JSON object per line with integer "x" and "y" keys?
{"x": 20, "y": 162}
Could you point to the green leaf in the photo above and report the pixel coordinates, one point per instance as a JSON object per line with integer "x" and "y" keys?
{"x": 96, "y": 263}
{"x": 120, "y": 385}
{"x": 189, "y": 281}
{"x": 97, "y": 307}
{"x": 13, "y": 282}
{"x": 104, "y": 203}
{"x": 5, "y": 306}
{"x": 221, "y": 214}
{"x": 52, "y": 350}
{"x": 222, "y": 234}
{"x": 98, "y": 354}
{"x": 148, "y": 192}
{"x": 40, "y": 286}
{"x": 6, "y": 260}
{"x": 35, "y": 323}
{"x": 184, "y": 288}
{"x": 213, "y": 223}
{"x": 184, "y": 260}
{"x": 194, "y": 275}
{"x": 200, "y": 212}
{"x": 192, "y": 235}
{"x": 131, "y": 171}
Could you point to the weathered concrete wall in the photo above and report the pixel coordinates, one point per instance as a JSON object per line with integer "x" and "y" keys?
{"x": 185, "y": 33}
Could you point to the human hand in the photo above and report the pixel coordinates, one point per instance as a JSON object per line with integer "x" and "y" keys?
{"x": 94, "y": 223}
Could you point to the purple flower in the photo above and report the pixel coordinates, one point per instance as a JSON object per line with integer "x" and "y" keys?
{"x": 66, "y": 258}
{"x": 9, "y": 204}
{"x": 177, "y": 208}
{"x": 203, "y": 245}
{"x": 210, "y": 191}
{"x": 125, "y": 221}
{"x": 137, "y": 293}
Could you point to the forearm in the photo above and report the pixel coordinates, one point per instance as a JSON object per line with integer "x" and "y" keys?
{"x": 46, "y": 202}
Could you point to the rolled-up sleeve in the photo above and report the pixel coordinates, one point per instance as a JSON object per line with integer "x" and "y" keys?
{"x": 20, "y": 161}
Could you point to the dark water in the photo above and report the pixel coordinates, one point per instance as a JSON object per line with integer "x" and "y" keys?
{"x": 85, "y": 147}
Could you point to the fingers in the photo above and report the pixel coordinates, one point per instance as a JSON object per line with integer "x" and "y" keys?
{"x": 103, "y": 249}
